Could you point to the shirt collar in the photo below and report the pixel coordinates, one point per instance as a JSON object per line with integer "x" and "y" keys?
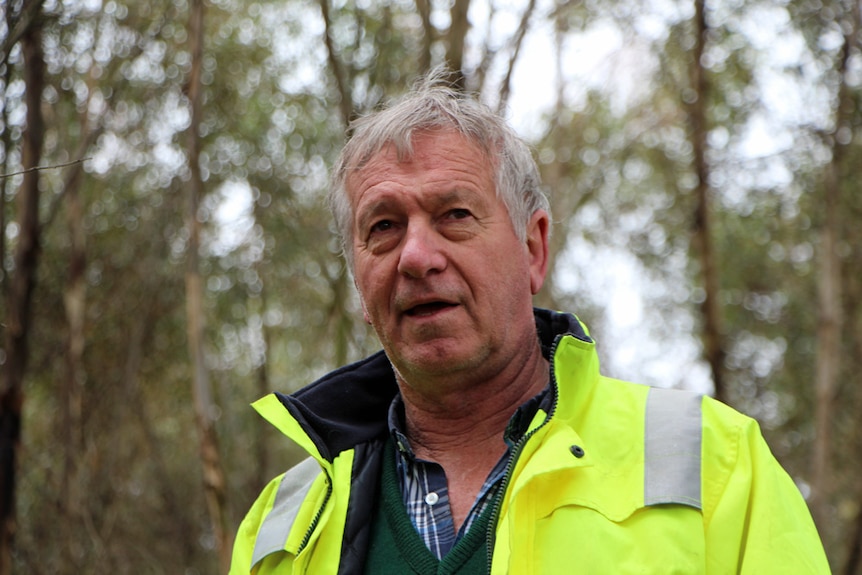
{"x": 515, "y": 430}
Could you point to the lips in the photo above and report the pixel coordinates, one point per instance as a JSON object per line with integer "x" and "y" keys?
{"x": 428, "y": 308}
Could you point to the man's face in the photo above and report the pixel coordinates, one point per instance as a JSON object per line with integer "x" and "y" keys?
{"x": 444, "y": 279}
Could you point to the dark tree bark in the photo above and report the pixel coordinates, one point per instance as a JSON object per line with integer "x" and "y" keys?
{"x": 423, "y": 7}
{"x": 458, "y": 29}
{"x": 830, "y": 296}
{"x": 74, "y": 300}
{"x": 712, "y": 330}
{"x": 213, "y": 475}
{"x": 19, "y": 297}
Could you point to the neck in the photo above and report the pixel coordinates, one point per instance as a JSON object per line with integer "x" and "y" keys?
{"x": 463, "y": 430}
{"x": 473, "y": 417}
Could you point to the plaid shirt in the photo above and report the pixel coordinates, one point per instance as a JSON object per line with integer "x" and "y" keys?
{"x": 424, "y": 487}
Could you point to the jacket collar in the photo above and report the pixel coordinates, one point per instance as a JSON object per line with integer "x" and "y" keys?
{"x": 350, "y": 405}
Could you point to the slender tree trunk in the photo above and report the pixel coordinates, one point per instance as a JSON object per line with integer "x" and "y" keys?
{"x": 828, "y": 350}
{"x": 135, "y": 407}
{"x": 423, "y": 7}
{"x": 458, "y": 28}
{"x": 6, "y": 139}
{"x": 261, "y": 473}
{"x": 74, "y": 300}
{"x": 852, "y": 291}
{"x": 829, "y": 299}
{"x": 75, "y": 303}
{"x": 854, "y": 558}
{"x": 488, "y": 51}
{"x": 214, "y": 480}
{"x": 553, "y": 174}
{"x": 702, "y": 229}
{"x": 341, "y": 81}
{"x": 506, "y": 88}
{"x": 19, "y": 299}
{"x": 338, "y": 315}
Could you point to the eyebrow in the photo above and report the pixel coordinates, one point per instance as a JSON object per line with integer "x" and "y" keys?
{"x": 435, "y": 201}
{"x": 369, "y": 213}
{"x": 455, "y": 196}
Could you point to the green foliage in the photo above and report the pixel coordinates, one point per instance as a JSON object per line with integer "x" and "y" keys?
{"x": 280, "y": 307}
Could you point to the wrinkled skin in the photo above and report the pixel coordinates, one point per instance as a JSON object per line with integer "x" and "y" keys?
{"x": 443, "y": 278}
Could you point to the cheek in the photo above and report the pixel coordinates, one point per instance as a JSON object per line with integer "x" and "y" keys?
{"x": 372, "y": 291}
{"x": 508, "y": 279}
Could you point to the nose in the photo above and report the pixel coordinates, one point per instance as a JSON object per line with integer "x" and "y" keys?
{"x": 421, "y": 251}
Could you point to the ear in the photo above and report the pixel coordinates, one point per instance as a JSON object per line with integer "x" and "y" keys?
{"x": 537, "y": 248}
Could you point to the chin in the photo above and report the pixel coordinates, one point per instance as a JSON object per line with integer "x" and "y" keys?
{"x": 441, "y": 362}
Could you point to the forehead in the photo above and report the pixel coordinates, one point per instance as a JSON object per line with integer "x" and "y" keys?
{"x": 432, "y": 153}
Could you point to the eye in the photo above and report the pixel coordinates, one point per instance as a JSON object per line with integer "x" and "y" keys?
{"x": 381, "y": 226}
{"x": 458, "y": 214}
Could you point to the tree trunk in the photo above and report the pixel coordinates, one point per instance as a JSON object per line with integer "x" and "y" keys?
{"x": 506, "y": 88}
{"x": 6, "y": 140}
{"x": 74, "y": 300}
{"x": 261, "y": 473}
{"x": 458, "y": 28}
{"x": 829, "y": 301}
{"x": 423, "y": 7}
{"x": 345, "y": 102}
{"x": 214, "y": 480}
{"x": 712, "y": 336}
{"x": 19, "y": 298}
{"x": 553, "y": 173}
{"x": 854, "y": 555}
{"x": 135, "y": 407}
{"x": 852, "y": 309}
{"x": 828, "y": 350}
{"x": 339, "y": 317}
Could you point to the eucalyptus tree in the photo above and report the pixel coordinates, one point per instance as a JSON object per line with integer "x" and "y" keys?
{"x": 279, "y": 83}
{"x": 833, "y": 41}
{"x": 780, "y": 112}
{"x": 84, "y": 416}
{"x": 19, "y": 297}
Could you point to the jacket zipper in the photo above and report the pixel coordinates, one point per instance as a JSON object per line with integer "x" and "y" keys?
{"x": 317, "y": 516}
{"x": 491, "y": 535}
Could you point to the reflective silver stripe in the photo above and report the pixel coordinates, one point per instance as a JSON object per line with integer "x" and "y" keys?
{"x": 292, "y": 490}
{"x": 672, "y": 438}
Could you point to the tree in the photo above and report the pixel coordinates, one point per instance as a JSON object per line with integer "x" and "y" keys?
{"x": 697, "y": 100}
{"x": 214, "y": 481}
{"x": 631, "y": 150}
{"x": 19, "y": 298}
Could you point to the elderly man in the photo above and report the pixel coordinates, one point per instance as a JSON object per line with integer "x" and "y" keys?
{"x": 483, "y": 439}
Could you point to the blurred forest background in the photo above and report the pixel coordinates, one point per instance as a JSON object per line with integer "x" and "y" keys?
{"x": 167, "y": 258}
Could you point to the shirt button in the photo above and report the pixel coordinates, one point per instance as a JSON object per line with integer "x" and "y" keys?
{"x": 431, "y": 498}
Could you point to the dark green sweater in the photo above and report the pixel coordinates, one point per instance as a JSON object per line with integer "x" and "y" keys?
{"x": 397, "y": 548}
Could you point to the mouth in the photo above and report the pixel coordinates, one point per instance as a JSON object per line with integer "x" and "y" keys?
{"x": 428, "y": 309}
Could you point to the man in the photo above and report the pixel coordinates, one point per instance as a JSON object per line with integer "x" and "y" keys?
{"x": 483, "y": 439}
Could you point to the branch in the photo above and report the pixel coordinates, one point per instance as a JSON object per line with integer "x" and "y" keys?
{"x": 40, "y": 168}
{"x": 346, "y": 102}
{"x": 19, "y": 27}
{"x": 519, "y": 39}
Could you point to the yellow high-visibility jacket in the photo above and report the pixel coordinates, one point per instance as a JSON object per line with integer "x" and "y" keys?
{"x": 618, "y": 478}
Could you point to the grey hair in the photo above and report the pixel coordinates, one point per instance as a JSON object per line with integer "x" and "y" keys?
{"x": 434, "y": 105}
